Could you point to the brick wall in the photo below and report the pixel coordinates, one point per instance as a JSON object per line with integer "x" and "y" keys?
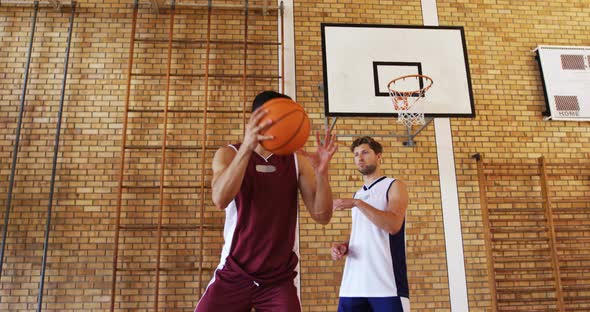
{"x": 80, "y": 257}
{"x": 509, "y": 101}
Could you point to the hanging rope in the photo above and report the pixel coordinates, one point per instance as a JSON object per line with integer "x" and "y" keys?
{"x": 17, "y": 139}
{"x": 54, "y": 168}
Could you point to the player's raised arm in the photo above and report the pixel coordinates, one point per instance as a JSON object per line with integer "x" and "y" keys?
{"x": 314, "y": 182}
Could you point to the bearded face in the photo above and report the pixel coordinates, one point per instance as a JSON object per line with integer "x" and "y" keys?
{"x": 367, "y": 170}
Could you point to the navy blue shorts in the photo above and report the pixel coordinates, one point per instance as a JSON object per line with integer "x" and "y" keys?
{"x": 370, "y": 304}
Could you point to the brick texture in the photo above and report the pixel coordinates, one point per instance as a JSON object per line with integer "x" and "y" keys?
{"x": 509, "y": 103}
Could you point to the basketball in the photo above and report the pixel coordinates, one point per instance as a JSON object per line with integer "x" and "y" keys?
{"x": 290, "y": 127}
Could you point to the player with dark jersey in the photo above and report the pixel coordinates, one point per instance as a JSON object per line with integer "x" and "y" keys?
{"x": 259, "y": 192}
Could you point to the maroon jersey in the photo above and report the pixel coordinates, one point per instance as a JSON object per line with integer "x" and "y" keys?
{"x": 261, "y": 221}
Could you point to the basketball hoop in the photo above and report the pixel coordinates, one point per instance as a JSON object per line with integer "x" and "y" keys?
{"x": 405, "y": 96}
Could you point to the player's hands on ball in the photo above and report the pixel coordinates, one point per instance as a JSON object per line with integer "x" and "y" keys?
{"x": 252, "y": 134}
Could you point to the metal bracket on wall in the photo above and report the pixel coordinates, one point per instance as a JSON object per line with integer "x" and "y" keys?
{"x": 409, "y": 135}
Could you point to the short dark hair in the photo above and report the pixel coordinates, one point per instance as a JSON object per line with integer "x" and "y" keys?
{"x": 374, "y": 145}
{"x": 266, "y": 96}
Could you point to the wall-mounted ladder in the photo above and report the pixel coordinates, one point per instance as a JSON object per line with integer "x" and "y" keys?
{"x": 536, "y": 219}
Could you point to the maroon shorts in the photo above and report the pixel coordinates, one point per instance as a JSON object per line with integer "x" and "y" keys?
{"x": 232, "y": 292}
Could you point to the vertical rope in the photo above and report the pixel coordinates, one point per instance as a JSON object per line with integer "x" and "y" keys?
{"x": 54, "y": 167}
{"x": 17, "y": 136}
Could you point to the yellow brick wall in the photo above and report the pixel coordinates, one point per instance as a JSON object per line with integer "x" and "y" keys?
{"x": 80, "y": 257}
{"x": 509, "y": 101}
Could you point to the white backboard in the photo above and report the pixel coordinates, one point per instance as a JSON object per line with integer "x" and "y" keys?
{"x": 360, "y": 60}
{"x": 565, "y": 72}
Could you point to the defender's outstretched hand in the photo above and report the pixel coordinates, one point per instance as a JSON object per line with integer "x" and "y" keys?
{"x": 342, "y": 204}
{"x": 320, "y": 159}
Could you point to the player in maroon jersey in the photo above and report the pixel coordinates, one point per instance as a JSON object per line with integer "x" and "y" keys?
{"x": 259, "y": 192}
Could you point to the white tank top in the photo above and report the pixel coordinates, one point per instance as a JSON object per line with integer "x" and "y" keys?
{"x": 375, "y": 265}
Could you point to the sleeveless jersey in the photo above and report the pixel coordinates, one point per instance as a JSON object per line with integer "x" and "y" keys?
{"x": 376, "y": 261}
{"x": 260, "y": 225}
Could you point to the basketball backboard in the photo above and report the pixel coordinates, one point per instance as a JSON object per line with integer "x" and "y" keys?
{"x": 360, "y": 60}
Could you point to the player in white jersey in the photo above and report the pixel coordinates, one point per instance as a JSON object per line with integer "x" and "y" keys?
{"x": 375, "y": 275}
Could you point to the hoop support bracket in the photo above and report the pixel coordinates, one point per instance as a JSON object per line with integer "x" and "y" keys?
{"x": 409, "y": 135}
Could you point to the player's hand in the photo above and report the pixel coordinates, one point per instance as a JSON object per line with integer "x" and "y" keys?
{"x": 339, "y": 250}
{"x": 320, "y": 160}
{"x": 252, "y": 134}
{"x": 342, "y": 204}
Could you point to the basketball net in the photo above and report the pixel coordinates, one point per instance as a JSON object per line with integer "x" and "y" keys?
{"x": 406, "y": 98}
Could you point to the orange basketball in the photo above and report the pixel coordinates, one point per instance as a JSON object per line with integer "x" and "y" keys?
{"x": 290, "y": 127}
